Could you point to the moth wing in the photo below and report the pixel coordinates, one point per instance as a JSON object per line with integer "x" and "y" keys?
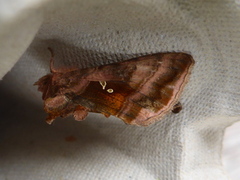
{"x": 143, "y": 89}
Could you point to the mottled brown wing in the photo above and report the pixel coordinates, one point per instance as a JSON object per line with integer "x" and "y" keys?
{"x": 138, "y": 91}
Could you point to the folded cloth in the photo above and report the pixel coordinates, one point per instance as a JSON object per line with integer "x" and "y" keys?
{"x": 89, "y": 33}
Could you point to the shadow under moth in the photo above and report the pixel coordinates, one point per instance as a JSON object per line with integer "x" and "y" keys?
{"x": 139, "y": 91}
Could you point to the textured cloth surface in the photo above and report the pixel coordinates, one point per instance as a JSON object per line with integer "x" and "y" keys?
{"x": 88, "y": 33}
{"x": 231, "y": 151}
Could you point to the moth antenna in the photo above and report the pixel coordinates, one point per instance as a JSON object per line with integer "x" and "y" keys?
{"x": 52, "y": 69}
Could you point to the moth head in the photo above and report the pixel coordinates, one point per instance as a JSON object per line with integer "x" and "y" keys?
{"x": 44, "y": 85}
{"x": 51, "y": 85}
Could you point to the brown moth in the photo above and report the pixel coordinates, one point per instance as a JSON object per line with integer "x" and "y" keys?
{"x": 139, "y": 91}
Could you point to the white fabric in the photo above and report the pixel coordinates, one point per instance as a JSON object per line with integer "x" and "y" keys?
{"x": 182, "y": 146}
{"x": 231, "y": 151}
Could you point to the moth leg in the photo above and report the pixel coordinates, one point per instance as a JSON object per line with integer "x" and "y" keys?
{"x": 177, "y": 108}
{"x": 80, "y": 113}
{"x": 106, "y": 114}
{"x": 50, "y": 119}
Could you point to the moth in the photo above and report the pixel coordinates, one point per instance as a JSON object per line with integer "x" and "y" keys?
{"x": 140, "y": 91}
